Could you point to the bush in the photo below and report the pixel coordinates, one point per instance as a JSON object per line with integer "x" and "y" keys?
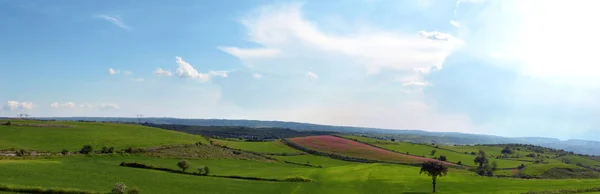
{"x": 433, "y": 152}
{"x": 22, "y": 152}
{"x": 8, "y": 123}
{"x": 107, "y": 150}
{"x": 134, "y": 191}
{"x": 442, "y": 158}
{"x": 203, "y": 170}
{"x": 86, "y": 149}
{"x": 459, "y": 163}
{"x": 64, "y": 152}
{"x": 119, "y": 188}
{"x": 183, "y": 164}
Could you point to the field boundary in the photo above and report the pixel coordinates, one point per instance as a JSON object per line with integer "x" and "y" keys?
{"x": 25, "y": 189}
{"x": 150, "y": 167}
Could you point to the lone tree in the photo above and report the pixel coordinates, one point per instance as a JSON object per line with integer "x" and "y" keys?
{"x": 184, "y": 165}
{"x": 507, "y": 150}
{"x": 433, "y": 152}
{"x": 484, "y": 168}
{"x": 434, "y": 169}
{"x": 86, "y": 149}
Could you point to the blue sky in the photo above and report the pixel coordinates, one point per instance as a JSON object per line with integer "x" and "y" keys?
{"x": 511, "y": 68}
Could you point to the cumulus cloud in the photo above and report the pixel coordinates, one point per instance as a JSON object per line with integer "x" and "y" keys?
{"x": 114, "y": 20}
{"x": 112, "y": 71}
{"x": 186, "y": 70}
{"x": 14, "y": 105}
{"x": 63, "y": 105}
{"x": 109, "y": 106}
{"x": 257, "y": 76}
{"x": 162, "y": 72}
{"x": 311, "y": 76}
{"x": 284, "y": 31}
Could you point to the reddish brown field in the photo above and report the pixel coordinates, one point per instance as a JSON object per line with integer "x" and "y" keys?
{"x": 345, "y": 147}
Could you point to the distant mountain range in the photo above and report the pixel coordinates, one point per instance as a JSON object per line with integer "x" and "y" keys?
{"x": 577, "y": 146}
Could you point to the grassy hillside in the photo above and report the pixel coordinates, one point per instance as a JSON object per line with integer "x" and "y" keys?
{"x": 100, "y": 173}
{"x": 269, "y": 147}
{"x": 56, "y": 136}
{"x": 346, "y": 147}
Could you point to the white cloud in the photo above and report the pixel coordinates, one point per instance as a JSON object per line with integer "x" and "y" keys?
{"x": 455, "y": 23}
{"x": 138, "y": 80}
{"x": 112, "y": 71}
{"x": 284, "y": 29}
{"x": 188, "y": 71}
{"x": 127, "y": 73}
{"x": 109, "y": 106}
{"x": 13, "y": 105}
{"x": 218, "y": 73}
{"x": 63, "y": 105}
{"x": 251, "y": 53}
{"x": 114, "y": 20}
{"x": 162, "y": 72}
{"x": 257, "y": 76}
{"x": 311, "y": 76}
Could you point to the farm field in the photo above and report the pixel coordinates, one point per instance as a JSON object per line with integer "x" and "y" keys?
{"x": 269, "y": 147}
{"x": 120, "y": 136}
{"x": 99, "y": 172}
{"x": 426, "y": 150}
{"x": 75, "y": 172}
{"x": 345, "y": 147}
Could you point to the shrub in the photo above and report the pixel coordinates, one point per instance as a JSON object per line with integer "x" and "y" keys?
{"x": 134, "y": 191}
{"x": 86, "y": 149}
{"x": 119, "y": 188}
{"x": 442, "y": 158}
{"x": 459, "y": 163}
{"x": 297, "y": 179}
{"x": 22, "y": 152}
{"x": 203, "y": 170}
{"x": 64, "y": 152}
{"x": 8, "y": 123}
{"x": 107, "y": 150}
{"x": 507, "y": 150}
{"x": 433, "y": 152}
{"x": 183, "y": 164}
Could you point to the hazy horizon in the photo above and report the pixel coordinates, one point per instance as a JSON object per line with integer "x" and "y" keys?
{"x": 507, "y": 68}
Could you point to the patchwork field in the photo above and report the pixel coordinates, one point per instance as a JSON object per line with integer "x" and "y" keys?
{"x": 97, "y": 172}
{"x": 426, "y": 151}
{"x": 346, "y": 147}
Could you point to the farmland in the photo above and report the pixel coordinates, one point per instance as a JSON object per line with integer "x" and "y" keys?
{"x": 98, "y": 172}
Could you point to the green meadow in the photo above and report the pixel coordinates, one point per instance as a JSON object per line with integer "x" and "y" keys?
{"x": 99, "y": 172}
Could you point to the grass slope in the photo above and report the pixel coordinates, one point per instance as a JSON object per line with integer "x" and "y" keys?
{"x": 82, "y": 133}
{"x": 99, "y": 173}
{"x": 269, "y": 147}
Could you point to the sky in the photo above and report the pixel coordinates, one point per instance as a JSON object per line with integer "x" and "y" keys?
{"x": 504, "y": 67}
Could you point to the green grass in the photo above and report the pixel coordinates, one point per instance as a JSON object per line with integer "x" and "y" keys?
{"x": 572, "y": 159}
{"x": 119, "y": 136}
{"x": 100, "y": 173}
{"x": 425, "y": 150}
{"x": 261, "y": 147}
{"x": 315, "y": 160}
{"x": 539, "y": 169}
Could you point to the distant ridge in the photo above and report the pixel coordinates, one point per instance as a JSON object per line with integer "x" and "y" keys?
{"x": 574, "y": 145}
